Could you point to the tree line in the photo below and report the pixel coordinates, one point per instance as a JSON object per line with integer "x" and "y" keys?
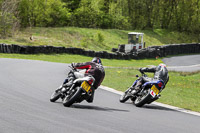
{"x": 178, "y": 15}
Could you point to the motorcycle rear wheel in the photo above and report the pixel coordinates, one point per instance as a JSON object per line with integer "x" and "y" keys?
{"x": 71, "y": 98}
{"x": 141, "y": 100}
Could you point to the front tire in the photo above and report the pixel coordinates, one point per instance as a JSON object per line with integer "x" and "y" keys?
{"x": 141, "y": 100}
{"x": 71, "y": 98}
{"x": 55, "y": 96}
{"x": 124, "y": 97}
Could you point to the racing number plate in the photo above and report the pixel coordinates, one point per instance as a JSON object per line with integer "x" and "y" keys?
{"x": 154, "y": 89}
{"x": 85, "y": 86}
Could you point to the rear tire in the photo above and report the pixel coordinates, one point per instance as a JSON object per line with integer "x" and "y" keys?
{"x": 141, "y": 100}
{"x": 71, "y": 98}
{"x": 55, "y": 96}
{"x": 124, "y": 97}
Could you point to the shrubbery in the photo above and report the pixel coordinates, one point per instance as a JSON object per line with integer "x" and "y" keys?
{"x": 113, "y": 14}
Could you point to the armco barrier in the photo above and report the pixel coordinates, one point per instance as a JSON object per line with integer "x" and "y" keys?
{"x": 150, "y": 52}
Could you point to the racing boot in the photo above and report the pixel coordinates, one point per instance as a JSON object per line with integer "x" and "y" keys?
{"x": 66, "y": 86}
{"x": 69, "y": 84}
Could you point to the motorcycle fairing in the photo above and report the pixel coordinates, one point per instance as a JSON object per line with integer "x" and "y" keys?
{"x": 154, "y": 82}
{"x": 135, "y": 82}
{"x": 84, "y": 79}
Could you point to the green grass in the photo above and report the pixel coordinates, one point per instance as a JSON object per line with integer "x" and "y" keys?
{"x": 182, "y": 90}
{"x": 94, "y": 39}
{"x": 69, "y": 58}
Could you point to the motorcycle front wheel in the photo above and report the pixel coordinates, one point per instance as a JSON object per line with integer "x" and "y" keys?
{"x": 55, "y": 96}
{"x": 124, "y": 97}
{"x": 72, "y": 97}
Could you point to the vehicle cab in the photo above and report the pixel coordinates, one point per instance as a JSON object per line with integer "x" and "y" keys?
{"x": 135, "y": 42}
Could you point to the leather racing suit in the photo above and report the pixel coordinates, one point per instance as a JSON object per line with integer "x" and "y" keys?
{"x": 160, "y": 73}
{"x": 94, "y": 69}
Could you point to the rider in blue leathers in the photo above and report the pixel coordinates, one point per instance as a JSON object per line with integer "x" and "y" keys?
{"x": 160, "y": 73}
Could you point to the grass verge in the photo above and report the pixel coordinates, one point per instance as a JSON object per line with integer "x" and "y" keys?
{"x": 69, "y": 58}
{"x": 90, "y": 39}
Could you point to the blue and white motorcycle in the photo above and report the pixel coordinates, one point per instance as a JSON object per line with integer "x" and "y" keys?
{"x": 148, "y": 93}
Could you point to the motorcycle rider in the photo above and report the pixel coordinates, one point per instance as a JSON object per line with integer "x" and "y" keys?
{"x": 160, "y": 73}
{"x": 93, "y": 68}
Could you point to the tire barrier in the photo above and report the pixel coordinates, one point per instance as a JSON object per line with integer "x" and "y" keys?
{"x": 150, "y": 52}
{"x": 162, "y": 51}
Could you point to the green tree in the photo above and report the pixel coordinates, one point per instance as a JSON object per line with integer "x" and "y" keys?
{"x": 180, "y": 15}
{"x": 72, "y": 4}
{"x": 119, "y": 17}
{"x": 88, "y": 14}
{"x": 43, "y": 13}
{"x": 56, "y": 14}
{"x": 8, "y": 17}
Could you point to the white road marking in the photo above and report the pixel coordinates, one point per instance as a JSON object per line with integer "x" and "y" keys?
{"x": 155, "y": 103}
{"x": 198, "y": 65}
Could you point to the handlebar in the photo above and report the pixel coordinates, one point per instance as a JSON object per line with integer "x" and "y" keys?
{"x": 143, "y": 74}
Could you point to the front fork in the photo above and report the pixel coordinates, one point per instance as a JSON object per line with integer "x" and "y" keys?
{"x": 135, "y": 83}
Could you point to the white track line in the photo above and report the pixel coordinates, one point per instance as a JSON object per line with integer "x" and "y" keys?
{"x": 156, "y": 103}
{"x": 197, "y": 65}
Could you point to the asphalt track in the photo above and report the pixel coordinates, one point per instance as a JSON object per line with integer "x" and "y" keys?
{"x": 25, "y": 89}
{"x": 187, "y": 63}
